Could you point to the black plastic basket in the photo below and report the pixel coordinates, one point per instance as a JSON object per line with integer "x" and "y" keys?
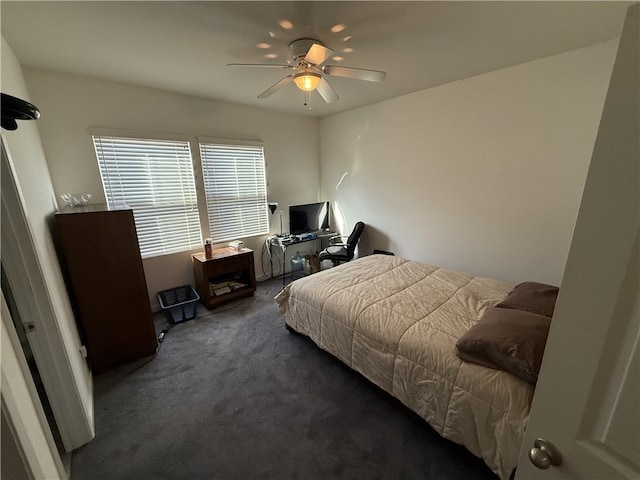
{"x": 180, "y": 303}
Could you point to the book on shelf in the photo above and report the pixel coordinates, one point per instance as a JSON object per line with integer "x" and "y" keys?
{"x": 220, "y": 288}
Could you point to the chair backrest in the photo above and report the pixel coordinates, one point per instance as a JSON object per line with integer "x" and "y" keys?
{"x": 352, "y": 241}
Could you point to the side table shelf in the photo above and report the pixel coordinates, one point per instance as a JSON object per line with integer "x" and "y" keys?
{"x": 228, "y": 275}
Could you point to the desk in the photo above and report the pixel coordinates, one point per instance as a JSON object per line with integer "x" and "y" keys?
{"x": 285, "y": 242}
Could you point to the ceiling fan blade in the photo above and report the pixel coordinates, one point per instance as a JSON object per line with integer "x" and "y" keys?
{"x": 277, "y": 65}
{"x": 358, "y": 73}
{"x": 285, "y": 81}
{"x": 318, "y": 54}
{"x": 326, "y": 91}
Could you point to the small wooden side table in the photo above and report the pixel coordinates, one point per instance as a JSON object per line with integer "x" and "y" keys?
{"x": 228, "y": 275}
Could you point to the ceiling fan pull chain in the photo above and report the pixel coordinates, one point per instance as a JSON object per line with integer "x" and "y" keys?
{"x": 307, "y": 100}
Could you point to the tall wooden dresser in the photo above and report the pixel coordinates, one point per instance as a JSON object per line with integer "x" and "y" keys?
{"x": 106, "y": 283}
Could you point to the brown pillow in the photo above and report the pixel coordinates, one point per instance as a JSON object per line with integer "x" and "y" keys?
{"x": 509, "y": 340}
{"x": 532, "y": 297}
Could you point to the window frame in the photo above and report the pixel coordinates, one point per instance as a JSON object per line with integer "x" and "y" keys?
{"x": 197, "y": 168}
{"x": 201, "y": 181}
{"x": 194, "y": 240}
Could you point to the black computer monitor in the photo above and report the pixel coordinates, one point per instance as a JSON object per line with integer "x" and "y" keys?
{"x": 311, "y": 217}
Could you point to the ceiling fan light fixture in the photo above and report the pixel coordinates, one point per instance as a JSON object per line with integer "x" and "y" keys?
{"x": 307, "y": 81}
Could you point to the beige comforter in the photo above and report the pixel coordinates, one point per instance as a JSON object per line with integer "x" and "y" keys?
{"x": 397, "y": 322}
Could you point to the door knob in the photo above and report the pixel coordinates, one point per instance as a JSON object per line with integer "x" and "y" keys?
{"x": 544, "y": 454}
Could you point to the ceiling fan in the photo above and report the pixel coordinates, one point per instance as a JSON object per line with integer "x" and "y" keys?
{"x": 308, "y": 71}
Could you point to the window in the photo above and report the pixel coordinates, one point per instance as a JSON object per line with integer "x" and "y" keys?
{"x": 154, "y": 178}
{"x": 235, "y": 189}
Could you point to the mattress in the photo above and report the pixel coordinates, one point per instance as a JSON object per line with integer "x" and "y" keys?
{"x": 396, "y": 322}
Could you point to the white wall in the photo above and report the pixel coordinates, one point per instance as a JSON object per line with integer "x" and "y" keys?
{"x": 482, "y": 175}
{"x": 70, "y": 104}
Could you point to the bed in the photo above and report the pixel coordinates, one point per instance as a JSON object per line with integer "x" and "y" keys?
{"x": 400, "y": 323}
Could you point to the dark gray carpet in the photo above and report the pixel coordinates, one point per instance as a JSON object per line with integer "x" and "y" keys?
{"x": 234, "y": 395}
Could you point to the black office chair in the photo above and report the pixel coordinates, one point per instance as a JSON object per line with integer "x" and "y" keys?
{"x": 342, "y": 252}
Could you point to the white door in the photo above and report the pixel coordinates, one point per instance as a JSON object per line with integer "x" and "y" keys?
{"x": 56, "y": 348}
{"x": 587, "y": 401}
{"x": 29, "y": 450}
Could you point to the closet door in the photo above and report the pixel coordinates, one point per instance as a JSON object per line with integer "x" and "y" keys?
{"x": 106, "y": 279}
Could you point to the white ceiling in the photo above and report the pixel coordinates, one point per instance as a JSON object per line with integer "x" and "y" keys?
{"x": 185, "y": 46}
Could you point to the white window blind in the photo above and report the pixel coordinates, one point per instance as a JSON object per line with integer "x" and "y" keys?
{"x": 236, "y": 190}
{"x": 154, "y": 178}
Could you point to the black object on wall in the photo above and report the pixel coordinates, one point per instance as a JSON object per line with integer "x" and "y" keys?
{"x": 14, "y": 108}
